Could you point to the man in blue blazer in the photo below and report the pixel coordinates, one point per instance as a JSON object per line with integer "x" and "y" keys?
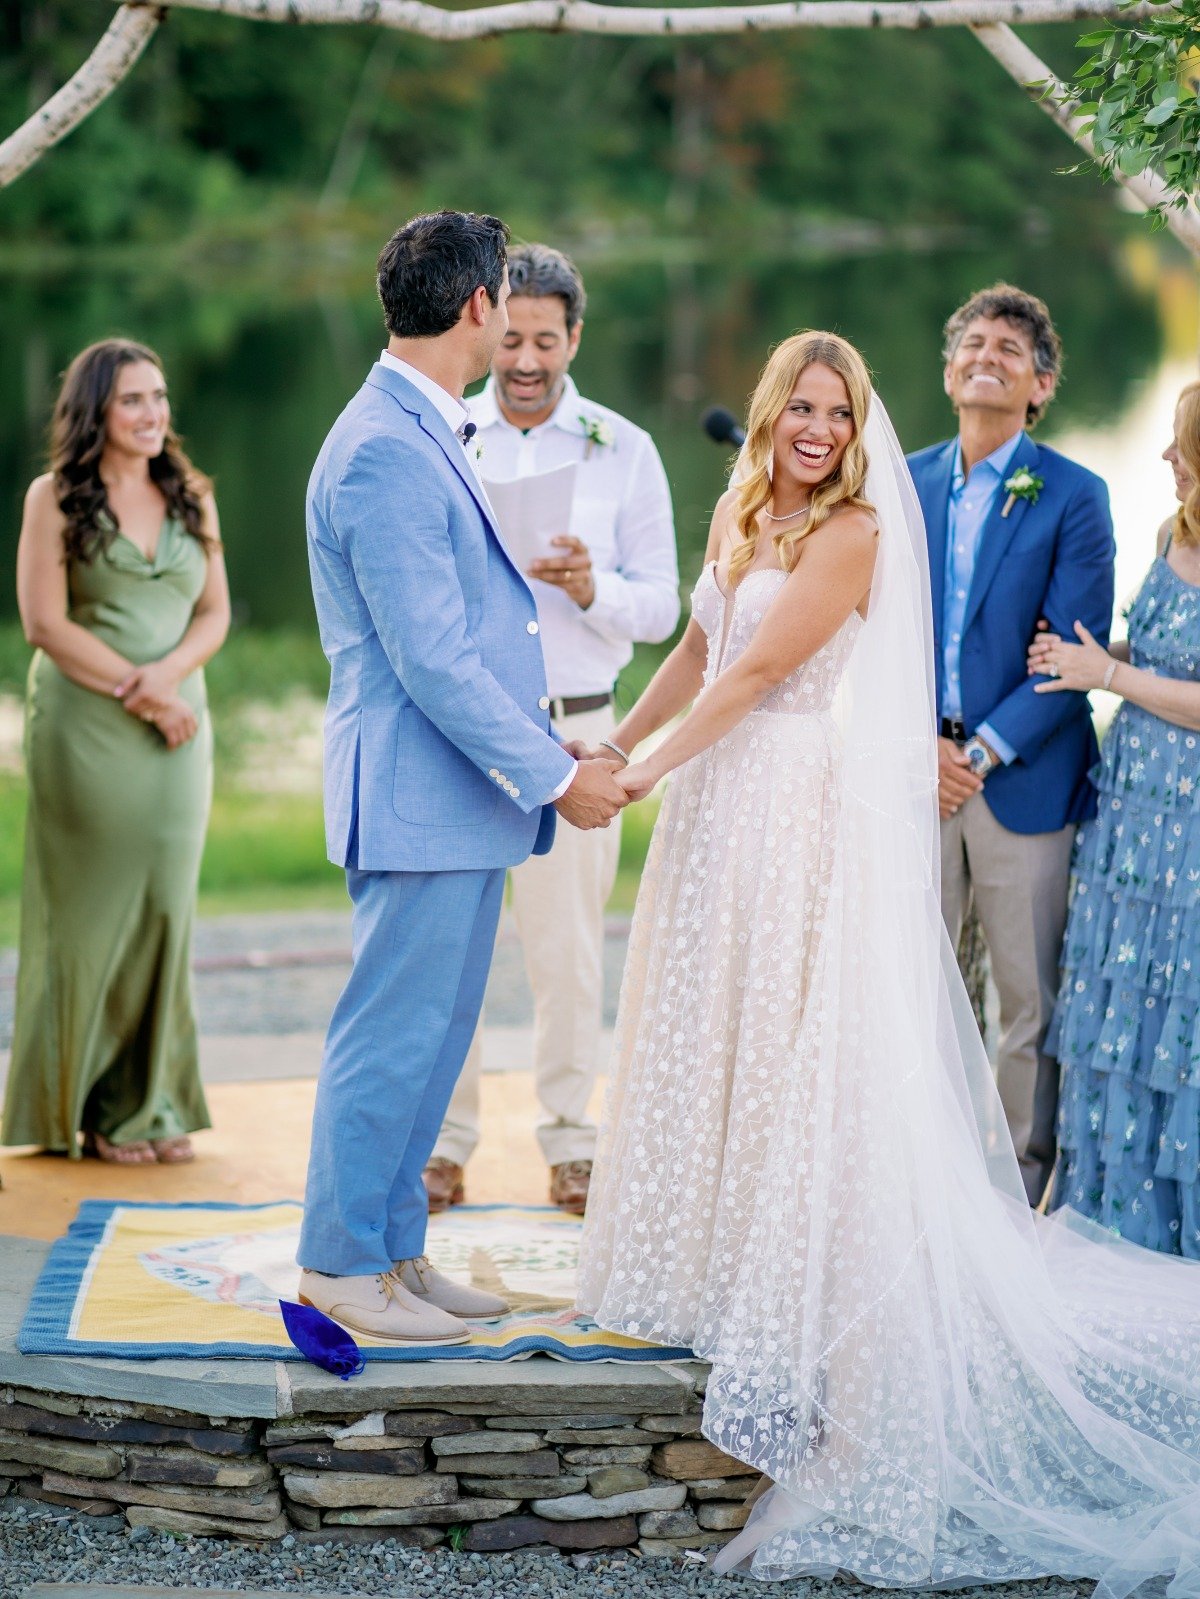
{"x": 440, "y": 772}
{"x": 1016, "y": 533}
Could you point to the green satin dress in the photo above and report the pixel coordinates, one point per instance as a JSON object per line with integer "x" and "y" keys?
{"x": 104, "y": 1034}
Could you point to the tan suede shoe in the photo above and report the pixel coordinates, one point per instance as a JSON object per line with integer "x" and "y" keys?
{"x": 443, "y": 1183}
{"x": 430, "y": 1287}
{"x": 380, "y": 1308}
{"x": 569, "y": 1185}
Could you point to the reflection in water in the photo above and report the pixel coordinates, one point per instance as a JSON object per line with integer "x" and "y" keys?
{"x": 260, "y": 364}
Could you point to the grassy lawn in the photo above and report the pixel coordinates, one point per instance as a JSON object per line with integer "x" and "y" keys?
{"x": 266, "y": 852}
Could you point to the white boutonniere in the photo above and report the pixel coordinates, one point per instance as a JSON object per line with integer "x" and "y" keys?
{"x": 1022, "y": 485}
{"x": 598, "y": 433}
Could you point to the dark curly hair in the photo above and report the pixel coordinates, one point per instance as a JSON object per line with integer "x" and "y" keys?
{"x": 78, "y": 434}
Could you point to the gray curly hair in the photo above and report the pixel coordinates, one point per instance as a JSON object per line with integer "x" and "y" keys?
{"x": 1016, "y": 306}
{"x": 539, "y": 271}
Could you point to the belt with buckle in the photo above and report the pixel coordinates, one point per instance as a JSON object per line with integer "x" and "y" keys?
{"x": 951, "y": 727}
{"x": 580, "y": 702}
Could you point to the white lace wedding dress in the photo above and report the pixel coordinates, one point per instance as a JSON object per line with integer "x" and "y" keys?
{"x": 804, "y": 1172}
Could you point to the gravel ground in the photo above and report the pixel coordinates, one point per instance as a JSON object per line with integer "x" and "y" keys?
{"x": 249, "y": 998}
{"x": 38, "y": 1544}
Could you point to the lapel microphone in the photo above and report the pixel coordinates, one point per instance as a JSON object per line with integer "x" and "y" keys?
{"x": 469, "y": 431}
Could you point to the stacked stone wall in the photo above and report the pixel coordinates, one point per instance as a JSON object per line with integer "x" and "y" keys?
{"x": 510, "y": 1467}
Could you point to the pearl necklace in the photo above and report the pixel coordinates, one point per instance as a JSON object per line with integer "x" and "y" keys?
{"x": 786, "y": 518}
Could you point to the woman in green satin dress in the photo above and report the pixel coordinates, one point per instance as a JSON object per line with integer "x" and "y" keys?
{"x": 121, "y": 587}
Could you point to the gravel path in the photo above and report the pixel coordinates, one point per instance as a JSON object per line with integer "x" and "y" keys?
{"x": 280, "y": 972}
{"x": 38, "y": 1544}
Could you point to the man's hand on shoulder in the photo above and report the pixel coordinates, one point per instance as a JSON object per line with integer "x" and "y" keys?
{"x": 594, "y": 797}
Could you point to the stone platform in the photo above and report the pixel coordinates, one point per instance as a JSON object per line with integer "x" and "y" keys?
{"x": 480, "y": 1455}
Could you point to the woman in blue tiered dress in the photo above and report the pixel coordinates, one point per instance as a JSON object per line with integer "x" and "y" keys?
{"x": 1126, "y": 1028}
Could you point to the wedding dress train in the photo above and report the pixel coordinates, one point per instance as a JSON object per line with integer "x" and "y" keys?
{"x": 805, "y": 1173}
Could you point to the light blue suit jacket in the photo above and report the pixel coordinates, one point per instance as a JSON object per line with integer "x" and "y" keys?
{"x": 438, "y": 754}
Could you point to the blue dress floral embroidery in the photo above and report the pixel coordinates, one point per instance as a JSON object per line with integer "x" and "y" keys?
{"x": 1127, "y": 1024}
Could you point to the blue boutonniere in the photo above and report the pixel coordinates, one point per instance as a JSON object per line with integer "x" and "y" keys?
{"x": 1022, "y": 485}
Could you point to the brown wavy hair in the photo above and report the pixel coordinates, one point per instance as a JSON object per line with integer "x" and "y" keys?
{"x": 78, "y": 434}
{"x": 842, "y": 488}
{"x": 1187, "y": 435}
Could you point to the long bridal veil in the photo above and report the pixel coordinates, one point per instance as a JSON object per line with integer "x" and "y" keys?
{"x": 942, "y": 1388}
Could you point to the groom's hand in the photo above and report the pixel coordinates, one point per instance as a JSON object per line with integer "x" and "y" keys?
{"x": 594, "y": 796}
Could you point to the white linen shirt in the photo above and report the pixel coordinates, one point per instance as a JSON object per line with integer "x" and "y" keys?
{"x": 622, "y": 512}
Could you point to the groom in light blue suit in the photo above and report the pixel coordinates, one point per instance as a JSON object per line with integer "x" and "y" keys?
{"x": 440, "y": 772}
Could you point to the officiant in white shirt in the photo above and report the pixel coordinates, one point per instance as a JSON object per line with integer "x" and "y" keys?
{"x": 606, "y": 582}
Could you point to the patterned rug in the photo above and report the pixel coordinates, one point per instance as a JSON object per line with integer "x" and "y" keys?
{"x": 146, "y": 1280}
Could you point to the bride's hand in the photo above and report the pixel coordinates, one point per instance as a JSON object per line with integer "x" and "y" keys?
{"x": 637, "y": 780}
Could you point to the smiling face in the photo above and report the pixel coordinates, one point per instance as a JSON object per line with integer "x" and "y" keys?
{"x": 992, "y": 371}
{"x": 139, "y": 413}
{"x": 1179, "y": 467}
{"x": 813, "y": 430}
{"x": 531, "y": 363}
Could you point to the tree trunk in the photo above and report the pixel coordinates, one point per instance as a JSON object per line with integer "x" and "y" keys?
{"x": 126, "y": 37}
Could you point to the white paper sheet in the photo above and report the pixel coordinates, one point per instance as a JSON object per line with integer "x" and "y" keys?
{"x": 532, "y": 510}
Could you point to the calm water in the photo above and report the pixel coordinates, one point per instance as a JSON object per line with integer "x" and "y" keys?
{"x": 261, "y": 355}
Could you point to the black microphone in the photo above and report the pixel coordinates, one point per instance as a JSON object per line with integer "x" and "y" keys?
{"x": 468, "y": 432}
{"x": 723, "y": 427}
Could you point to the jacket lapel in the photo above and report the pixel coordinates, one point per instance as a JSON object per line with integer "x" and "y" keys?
{"x": 998, "y": 532}
{"x": 435, "y": 425}
{"x": 936, "y": 502}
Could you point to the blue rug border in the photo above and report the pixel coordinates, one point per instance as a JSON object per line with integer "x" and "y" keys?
{"x": 45, "y": 1329}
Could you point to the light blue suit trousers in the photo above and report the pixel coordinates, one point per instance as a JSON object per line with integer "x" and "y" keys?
{"x": 399, "y": 1033}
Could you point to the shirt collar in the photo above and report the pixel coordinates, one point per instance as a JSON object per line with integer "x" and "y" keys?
{"x": 453, "y": 412}
{"x": 997, "y": 461}
{"x": 485, "y": 408}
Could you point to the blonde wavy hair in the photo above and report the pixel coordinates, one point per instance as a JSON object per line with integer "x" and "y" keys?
{"x": 844, "y": 487}
{"x": 1187, "y": 436}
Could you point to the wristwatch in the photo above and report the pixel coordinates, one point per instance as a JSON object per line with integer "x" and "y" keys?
{"x": 979, "y": 757}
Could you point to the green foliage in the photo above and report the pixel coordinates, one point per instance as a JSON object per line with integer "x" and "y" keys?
{"x": 1137, "y": 94}
{"x": 231, "y": 124}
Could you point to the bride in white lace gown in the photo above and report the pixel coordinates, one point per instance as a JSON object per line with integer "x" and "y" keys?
{"x": 804, "y": 1171}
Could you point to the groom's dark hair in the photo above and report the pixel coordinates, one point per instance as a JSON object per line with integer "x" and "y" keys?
{"x": 1026, "y": 311}
{"x": 431, "y": 267}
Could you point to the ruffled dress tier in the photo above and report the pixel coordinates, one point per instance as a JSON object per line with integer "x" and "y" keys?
{"x": 1126, "y": 1026}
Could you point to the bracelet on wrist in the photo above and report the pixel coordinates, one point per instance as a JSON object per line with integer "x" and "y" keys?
{"x": 607, "y": 743}
{"x": 1106, "y": 681}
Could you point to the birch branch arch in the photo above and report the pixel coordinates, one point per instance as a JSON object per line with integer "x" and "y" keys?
{"x": 991, "y": 21}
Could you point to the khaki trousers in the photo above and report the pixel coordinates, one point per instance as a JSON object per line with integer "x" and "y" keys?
{"x": 558, "y": 903}
{"x": 1019, "y": 883}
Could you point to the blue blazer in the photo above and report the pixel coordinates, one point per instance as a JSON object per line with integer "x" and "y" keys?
{"x": 438, "y": 750}
{"x": 1052, "y": 559}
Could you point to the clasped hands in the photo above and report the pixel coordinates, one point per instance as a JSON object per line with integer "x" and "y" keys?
{"x": 602, "y": 786}
{"x": 151, "y": 693}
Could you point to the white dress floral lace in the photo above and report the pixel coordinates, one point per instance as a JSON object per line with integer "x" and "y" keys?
{"x": 797, "y": 1177}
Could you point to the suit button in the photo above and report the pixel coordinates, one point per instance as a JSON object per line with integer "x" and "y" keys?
{"x": 493, "y": 773}
{"x": 544, "y": 703}
{"x": 515, "y": 792}
{"x": 531, "y": 627}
